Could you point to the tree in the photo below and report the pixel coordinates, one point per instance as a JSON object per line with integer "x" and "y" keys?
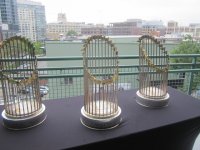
{"x": 38, "y": 49}
{"x": 72, "y": 33}
{"x": 187, "y": 46}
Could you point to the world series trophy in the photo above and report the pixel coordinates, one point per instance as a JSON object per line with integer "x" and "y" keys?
{"x": 100, "y": 61}
{"x": 23, "y": 106}
{"x": 153, "y": 73}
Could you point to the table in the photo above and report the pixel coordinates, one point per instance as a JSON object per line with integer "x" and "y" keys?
{"x": 174, "y": 127}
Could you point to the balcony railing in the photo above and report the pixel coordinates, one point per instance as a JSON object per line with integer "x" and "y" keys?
{"x": 67, "y": 81}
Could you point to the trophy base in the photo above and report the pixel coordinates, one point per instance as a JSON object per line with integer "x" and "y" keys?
{"x": 153, "y": 103}
{"x": 100, "y": 123}
{"x": 24, "y": 123}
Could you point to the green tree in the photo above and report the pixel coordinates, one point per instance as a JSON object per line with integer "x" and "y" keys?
{"x": 187, "y": 46}
{"x": 72, "y": 33}
{"x": 38, "y": 49}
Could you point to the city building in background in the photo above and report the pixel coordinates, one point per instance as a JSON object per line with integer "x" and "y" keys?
{"x": 195, "y": 29}
{"x": 174, "y": 30}
{"x": 9, "y": 18}
{"x": 62, "y": 27}
{"x": 32, "y": 20}
{"x": 154, "y": 28}
{"x": 92, "y": 29}
{"x": 62, "y": 18}
{"x": 27, "y": 18}
{"x": 129, "y": 27}
{"x": 171, "y": 27}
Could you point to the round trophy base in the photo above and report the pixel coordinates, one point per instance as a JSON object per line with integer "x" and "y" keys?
{"x": 100, "y": 123}
{"x": 24, "y": 123}
{"x": 154, "y": 103}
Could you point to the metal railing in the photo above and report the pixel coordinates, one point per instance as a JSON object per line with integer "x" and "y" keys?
{"x": 67, "y": 81}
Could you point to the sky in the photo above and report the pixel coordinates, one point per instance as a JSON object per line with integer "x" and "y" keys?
{"x": 108, "y": 11}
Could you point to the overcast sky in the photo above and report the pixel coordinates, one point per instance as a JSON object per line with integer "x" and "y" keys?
{"x": 106, "y": 11}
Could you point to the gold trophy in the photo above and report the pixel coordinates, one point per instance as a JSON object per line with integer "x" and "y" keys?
{"x": 153, "y": 73}
{"x": 100, "y": 61}
{"x": 23, "y": 106}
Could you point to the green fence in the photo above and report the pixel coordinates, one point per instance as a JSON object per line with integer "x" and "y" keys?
{"x": 66, "y": 82}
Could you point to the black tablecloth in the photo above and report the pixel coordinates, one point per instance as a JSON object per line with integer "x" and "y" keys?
{"x": 174, "y": 127}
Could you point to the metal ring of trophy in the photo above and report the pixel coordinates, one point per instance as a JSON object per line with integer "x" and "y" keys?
{"x": 92, "y": 76}
{"x": 151, "y": 64}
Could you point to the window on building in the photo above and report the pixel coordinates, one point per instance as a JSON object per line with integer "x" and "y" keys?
{"x": 181, "y": 75}
{"x": 68, "y": 80}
